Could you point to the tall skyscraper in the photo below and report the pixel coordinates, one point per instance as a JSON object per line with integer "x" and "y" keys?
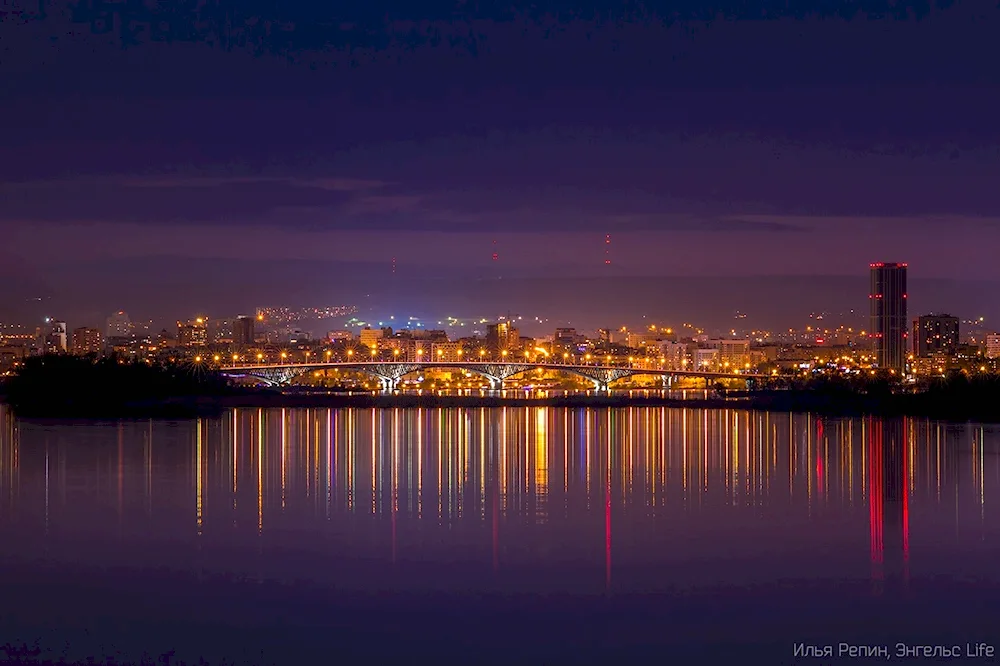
{"x": 888, "y": 312}
{"x": 935, "y": 334}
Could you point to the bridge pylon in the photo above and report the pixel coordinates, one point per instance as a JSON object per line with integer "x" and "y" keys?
{"x": 389, "y": 375}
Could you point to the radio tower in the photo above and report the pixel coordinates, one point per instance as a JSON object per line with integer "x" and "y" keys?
{"x": 496, "y": 255}
{"x": 607, "y": 250}
{"x": 394, "y": 265}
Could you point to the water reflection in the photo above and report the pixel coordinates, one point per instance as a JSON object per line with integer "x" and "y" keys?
{"x": 650, "y": 497}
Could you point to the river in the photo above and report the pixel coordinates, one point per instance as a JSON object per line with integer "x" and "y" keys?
{"x": 527, "y": 535}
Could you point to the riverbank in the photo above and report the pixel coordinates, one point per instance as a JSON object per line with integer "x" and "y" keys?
{"x": 794, "y": 401}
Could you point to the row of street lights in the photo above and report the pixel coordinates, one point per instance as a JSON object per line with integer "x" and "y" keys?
{"x": 567, "y": 358}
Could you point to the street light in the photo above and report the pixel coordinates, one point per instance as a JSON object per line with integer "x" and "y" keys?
{"x": 395, "y": 352}
{"x": 260, "y": 357}
{"x": 350, "y": 352}
{"x": 197, "y": 359}
{"x": 216, "y": 358}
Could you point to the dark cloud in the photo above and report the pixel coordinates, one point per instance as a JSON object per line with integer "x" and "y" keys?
{"x": 163, "y": 201}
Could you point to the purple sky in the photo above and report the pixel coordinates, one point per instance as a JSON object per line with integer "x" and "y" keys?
{"x": 170, "y": 178}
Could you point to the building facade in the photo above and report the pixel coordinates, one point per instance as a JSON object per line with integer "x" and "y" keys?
{"x": 993, "y": 345}
{"x": 935, "y": 334}
{"x": 221, "y": 331}
{"x": 87, "y": 341}
{"x": 733, "y": 354}
{"x": 888, "y": 315}
{"x": 503, "y": 336}
{"x": 370, "y": 337}
{"x": 193, "y": 333}
{"x": 243, "y": 331}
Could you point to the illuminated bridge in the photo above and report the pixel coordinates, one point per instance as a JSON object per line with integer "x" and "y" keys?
{"x": 391, "y": 373}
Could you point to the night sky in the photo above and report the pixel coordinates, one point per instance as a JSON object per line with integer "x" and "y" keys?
{"x": 752, "y": 160}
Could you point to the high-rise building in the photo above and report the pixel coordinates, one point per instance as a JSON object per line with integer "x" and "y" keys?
{"x": 888, "y": 315}
{"x": 503, "y": 336}
{"x": 119, "y": 325}
{"x": 935, "y": 334}
{"x": 86, "y": 341}
{"x": 243, "y": 333}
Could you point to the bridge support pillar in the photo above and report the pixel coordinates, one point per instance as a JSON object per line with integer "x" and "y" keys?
{"x": 496, "y": 383}
{"x": 668, "y": 382}
{"x": 600, "y": 386}
{"x": 389, "y": 384}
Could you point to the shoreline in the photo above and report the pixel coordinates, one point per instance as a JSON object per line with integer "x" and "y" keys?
{"x": 184, "y": 407}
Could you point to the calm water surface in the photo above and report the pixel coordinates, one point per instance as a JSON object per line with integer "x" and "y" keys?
{"x": 532, "y": 535}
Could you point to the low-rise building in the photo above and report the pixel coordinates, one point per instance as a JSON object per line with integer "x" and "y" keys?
{"x": 370, "y": 337}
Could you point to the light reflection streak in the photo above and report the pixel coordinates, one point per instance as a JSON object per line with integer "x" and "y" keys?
{"x": 482, "y": 461}
{"x": 198, "y": 475}
{"x": 331, "y": 453}
{"x": 660, "y": 457}
{"x": 260, "y": 471}
{"x": 541, "y": 460}
{"x": 234, "y": 431}
{"x": 284, "y": 454}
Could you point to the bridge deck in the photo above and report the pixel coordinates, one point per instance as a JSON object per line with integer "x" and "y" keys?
{"x": 377, "y": 367}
